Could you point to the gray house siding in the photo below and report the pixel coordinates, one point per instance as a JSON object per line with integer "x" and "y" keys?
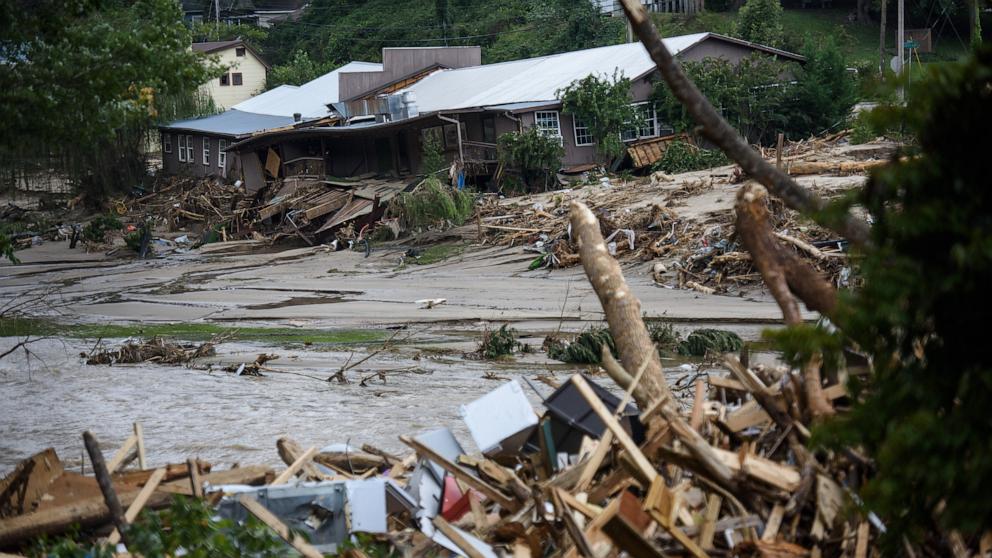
{"x": 171, "y": 163}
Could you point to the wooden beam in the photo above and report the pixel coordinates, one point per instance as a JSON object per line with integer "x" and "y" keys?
{"x": 251, "y": 474}
{"x": 268, "y": 518}
{"x": 122, "y": 453}
{"x": 462, "y": 475}
{"x": 302, "y": 460}
{"x": 773, "y": 524}
{"x": 106, "y": 485}
{"x": 139, "y": 436}
{"x": 660, "y": 505}
{"x": 139, "y": 503}
{"x": 611, "y": 423}
{"x": 457, "y": 538}
{"x": 196, "y": 485}
{"x": 626, "y": 524}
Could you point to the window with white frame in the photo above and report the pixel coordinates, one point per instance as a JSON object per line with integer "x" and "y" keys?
{"x": 547, "y": 123}
{"x": 189, "y": 149}
{"x": 182, "y": 148}
{"x": 206, "y": 151}
{"x": 649, "y": 123}
{"x": 221, "y": 154}
{"x": 167, "y": 143}
{"x": 582, "y": 134}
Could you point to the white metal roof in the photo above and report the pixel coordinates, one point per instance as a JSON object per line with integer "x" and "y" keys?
{"x": 310, "y": 99}
{"x": 535, "y": 79}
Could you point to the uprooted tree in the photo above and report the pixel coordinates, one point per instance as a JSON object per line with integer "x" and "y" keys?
{"x": 602, "y": 105}
{"x": 920, "y": 412}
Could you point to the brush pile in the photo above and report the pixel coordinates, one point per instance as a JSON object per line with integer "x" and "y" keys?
{"x": 156, "y": 350}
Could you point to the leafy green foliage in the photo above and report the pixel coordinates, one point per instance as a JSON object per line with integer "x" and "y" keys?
{"x": 604, "y": 106}
{"x": 498, "y": 344}
{"x": 923, "y": 413}
{"x": 339, "y": 31}
{"x": 702, "y": 341}
{"x": 84, "y": 81}
{"x": 587, "y": 347}
{"x": 204, "y": 31}
{"x": 7, "y": 249}
{"x": 760, "y": 21}
{"x": 432, "y": 204}
{"x": 96, "y": 230}
{"x": 535, "y": 155}
{"x": 187, "y": 525}
{"x": 755, "y": 96}
{"x": 824, "y": 91}
{"x": 663, "y": 334}
{"x": 433, "y": 153}
{"x": 299, "y": 69}
{"x": 681, "y": 156}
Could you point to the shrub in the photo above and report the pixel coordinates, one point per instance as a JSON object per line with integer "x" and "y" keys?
{"x": 7, "y": 249}
{"x": 760, "y": 21}
{"x": 680, "y": 156}
{"x": 585, "y": 349}
{"x": 432, "y": 204}
{"x": 536, "y": 156}
{"x": 663, "y": 335}
{"x": 824, "y": 91}
{"x": 96, "y": 230}
{"x": 702, "y": 341}
{"x": 498, "y": 344}
{"x": 433, "y": 154}
{"x": 604, "y": 106}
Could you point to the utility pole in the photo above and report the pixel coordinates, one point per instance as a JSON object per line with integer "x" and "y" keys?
{"x": 881, "y": 43}
{"x": 217, "y": 11}
{"x": 901, "y": 37}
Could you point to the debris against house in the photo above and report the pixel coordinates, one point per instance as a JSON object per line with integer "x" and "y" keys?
{"x": 684, "y": 222}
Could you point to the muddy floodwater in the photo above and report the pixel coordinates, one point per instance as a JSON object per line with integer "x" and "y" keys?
{"x": 50, "y": 398}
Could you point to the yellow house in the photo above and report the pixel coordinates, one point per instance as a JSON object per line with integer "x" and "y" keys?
{"x": 244, "y": 77}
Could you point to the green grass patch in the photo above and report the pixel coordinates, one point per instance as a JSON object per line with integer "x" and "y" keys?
{"x": 437, "y": 253}
{"x": 21, "y": 327}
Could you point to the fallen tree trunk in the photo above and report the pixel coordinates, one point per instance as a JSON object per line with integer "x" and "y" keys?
{"x": 717, "y": 130}
{"x": 824, "y": 167}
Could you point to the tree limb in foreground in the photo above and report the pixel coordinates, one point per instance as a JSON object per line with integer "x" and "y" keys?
{"x": 717, "y": 130}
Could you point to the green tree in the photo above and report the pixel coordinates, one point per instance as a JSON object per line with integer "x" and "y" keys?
{"x": 922, "y": 414}
{"x": 297, "y": 71}
{"x": 203, "y": 31}
{"x": 760, "y": 21}
{"x": 433, "y": 154}
{"x": 84, "y": 81}
{"x": 603, "y": 105}
{"x": 755, "y": 95}
{"x": 536, "y": 156}
{"x": 825, "y": 91}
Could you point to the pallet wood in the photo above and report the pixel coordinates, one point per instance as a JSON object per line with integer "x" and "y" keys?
{"x": 26, "y": 484}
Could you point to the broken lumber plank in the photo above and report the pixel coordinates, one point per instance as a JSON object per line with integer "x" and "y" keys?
{"x": 122, "y": 453}
{"x": 172, "y": 471}
{"x": 462, "y": 475}
{"x": 596, "y": 404}
{"x": 86, "y": 512}
{"x": 748, "y": 415}
{"x": 861, "y": 546}
{"x": 26, "y": 484}
{"x": 660, "y": 505}
{"x": 290, "y": 451}
{"x": 139, "y": 503}
{"x": 626, "y": 523}
{"x": 139, "y": 436}
{"x": 727, "y": 383}
{"x": 195, "y": 484}
{"x": 291, "y": 471}
{"x": 495, "y": 472}
{"x": 268, "y": 518}
{"x": 251, "y": 475}
{"x": 456, "y": 537}
{"x": 708, "y": 528}
{"x": 774, "y": 523}
{"x": 781, "y": 476}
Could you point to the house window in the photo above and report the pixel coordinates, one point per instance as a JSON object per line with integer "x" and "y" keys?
{"x": 489, "y": 130}
{"x": 582, "y": 134}
{"x": 649, "y": 123}
{"x": 236, "y": 78}
{"x": 221, "y": 154}
{"x": 547, "y": 123}
{"x": 182, "y": 148}
{"x": 239, "y": 51}
{"x": 189, "y": 149}
{"x": 206, "y": 151}
{"x": 167, "y": 143}
{"x": 225, "y": 80}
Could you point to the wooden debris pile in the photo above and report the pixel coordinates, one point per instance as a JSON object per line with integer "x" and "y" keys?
{"x": 156, "y": 349}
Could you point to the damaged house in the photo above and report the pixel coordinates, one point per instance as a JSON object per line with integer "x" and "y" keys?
{"x": 337, "y": 149}
{"x": 384, "y": 114}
